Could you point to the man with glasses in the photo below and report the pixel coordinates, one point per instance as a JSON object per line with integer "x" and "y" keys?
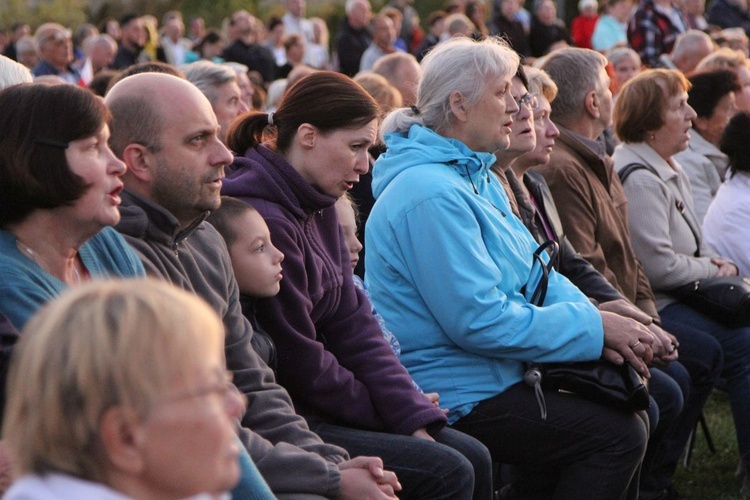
{"x": 55, "y": 48}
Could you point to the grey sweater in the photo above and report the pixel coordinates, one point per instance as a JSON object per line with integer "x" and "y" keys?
{"x": 291, "y": 458}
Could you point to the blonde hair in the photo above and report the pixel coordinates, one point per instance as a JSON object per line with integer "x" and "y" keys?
{"x": 723, "y": 58}
{"x": 100, "y": 345}
{"x": 383, "y": 92}
{"x": 540, "y": 83}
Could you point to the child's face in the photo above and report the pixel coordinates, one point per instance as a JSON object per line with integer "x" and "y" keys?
{"x": 349, "y": 226}
{"x": 256, "y": 262}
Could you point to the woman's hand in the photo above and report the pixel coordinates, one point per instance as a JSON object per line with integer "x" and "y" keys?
{"x": 665, "y": 344}
{"x": 625, "y": 308}
{"x": 726, "y": 268}
{"x": 434, "y": 398}
{"x": 364, "y": 477}
{"x": 664, "y": 347}
{"x": 627, "y": 340}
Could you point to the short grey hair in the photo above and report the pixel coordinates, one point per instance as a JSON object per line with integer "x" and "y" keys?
{"x": 688, "y": 42}
{"x": 208, "y": 77}
{"x": 619, "y": 54}
{"x": 456, "y": 65}
{"x": 389, "y": 65}
{"x": 47, "y": 31}
{"x": 26, "y": 44}
{"x": 98, "y": 40}
{"x": 576, "y": 73}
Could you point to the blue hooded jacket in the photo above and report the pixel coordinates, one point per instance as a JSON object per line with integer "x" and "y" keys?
{"x": 446, "y": 262}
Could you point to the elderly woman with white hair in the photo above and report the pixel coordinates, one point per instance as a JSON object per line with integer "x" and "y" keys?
{"x": 447, "y": 263}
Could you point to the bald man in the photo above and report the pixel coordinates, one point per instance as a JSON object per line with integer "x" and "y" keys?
{"x": 99, "y": 53}
{"x": 175, "y": 166}
{"x": 689, "y": 49}
{"x": 402, "y": 71}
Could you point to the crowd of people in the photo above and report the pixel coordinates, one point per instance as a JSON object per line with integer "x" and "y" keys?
{"x": 246, "y": 261}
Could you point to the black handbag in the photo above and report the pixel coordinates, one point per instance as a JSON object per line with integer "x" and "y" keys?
{"x": 619, "y": 387}
{"x": 724, "y": 299}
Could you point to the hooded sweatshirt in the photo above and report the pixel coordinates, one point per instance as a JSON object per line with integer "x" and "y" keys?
{"x": 449, "y": 260}
{"x": 332, "y": 357}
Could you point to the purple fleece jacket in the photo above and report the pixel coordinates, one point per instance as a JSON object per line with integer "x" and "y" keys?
{"x": 332, "y": 358}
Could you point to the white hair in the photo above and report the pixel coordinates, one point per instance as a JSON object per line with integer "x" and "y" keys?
{"x": 456, "y": 65}
{"x": 275, "y": 92}
{"x": 350, "y": 4}
{"x": 12, "y": 73}
{"x": 208, "y": 77}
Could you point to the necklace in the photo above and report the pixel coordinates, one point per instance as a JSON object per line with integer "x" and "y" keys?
{"x": 25, "y": 248}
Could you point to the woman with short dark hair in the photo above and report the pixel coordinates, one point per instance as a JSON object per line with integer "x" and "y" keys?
{"x": 59, "y": 190}
{"x": 712, "y": 96}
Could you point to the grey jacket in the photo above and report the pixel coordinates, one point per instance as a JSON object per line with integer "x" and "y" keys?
{"x": 706, "y": 167}
{"x": 196, "y": 259}
{"x": 662, "y": 236}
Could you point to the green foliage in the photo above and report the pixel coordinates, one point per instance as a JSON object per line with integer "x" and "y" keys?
{"x": 66, "y": 12}
{"x": 214, "y": 11}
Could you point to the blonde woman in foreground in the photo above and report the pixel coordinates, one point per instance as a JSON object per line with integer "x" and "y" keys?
{"x": 136, "y": 399}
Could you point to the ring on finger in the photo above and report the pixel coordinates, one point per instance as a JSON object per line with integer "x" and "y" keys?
{"x": 635, "y": 345}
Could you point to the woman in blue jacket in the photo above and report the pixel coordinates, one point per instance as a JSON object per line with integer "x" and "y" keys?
{"x": 446, "y": 264}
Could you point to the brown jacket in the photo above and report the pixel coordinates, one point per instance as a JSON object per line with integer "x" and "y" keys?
{"x": 593, "y": 210}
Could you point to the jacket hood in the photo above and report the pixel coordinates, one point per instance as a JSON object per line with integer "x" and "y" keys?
{"x": 419, "y": 146}
{"x": 263, "y": 174}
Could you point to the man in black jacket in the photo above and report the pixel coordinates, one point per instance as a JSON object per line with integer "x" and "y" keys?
{"x": 246, "y": 49}
{"x": 354, "y": 36}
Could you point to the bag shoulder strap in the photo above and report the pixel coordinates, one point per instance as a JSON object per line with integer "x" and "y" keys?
{"x": 628, "y": 169}
{"x": 540, "y": 293}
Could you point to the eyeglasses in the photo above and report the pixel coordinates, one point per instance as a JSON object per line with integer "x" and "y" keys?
{"x": 222, "y": 387}
{"x": 528, "y": 100}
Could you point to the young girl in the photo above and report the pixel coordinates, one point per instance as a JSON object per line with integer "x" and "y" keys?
{"x": 255, "y": 261}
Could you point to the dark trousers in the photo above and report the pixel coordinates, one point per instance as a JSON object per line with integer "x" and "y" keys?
{"x": 592, "y": 452}
{"x": 669, "y": 388}
{"x": 455, "y": 466}
{"x": 705, "y": 348}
